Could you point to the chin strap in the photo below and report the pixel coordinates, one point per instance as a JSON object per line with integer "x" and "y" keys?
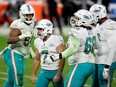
{"x": 27, "y": 23}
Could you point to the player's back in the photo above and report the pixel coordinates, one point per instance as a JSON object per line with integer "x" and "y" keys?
{"x": 22, "y": 46}
{"x": 87, "y": 44}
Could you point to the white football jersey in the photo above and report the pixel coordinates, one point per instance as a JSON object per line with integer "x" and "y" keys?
{"x": 88, "y": 42}
{"x": 107, "y": 32}
{"x": 48, "y": 48}
{"x": 22, "y": 46}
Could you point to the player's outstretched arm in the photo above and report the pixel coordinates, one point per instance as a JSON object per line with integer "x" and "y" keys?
{"x": 74, "y": 45}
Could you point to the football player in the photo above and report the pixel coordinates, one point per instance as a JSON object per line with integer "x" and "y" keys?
{"x": 19, "y": 39}
{"x": 105, "y": 60}
{"x": 46, "y": 45}
{"x": 82, "y": 42}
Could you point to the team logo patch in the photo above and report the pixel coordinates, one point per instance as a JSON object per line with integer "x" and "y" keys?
{"x": 87, "y": 17}
{"x": 51, "y": 45}
{"x": 96, "y": 11}
{"x": 48, "y": 24}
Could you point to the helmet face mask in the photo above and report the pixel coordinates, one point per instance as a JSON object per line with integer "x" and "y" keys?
{"x": 98, "y": 11}
{"x": 28, "y": 17}
{"x": 73, "y": 20}
{"x": 44, "y": 28}
{"x": 27, "y": 13}
{"x": 82, "y": 18}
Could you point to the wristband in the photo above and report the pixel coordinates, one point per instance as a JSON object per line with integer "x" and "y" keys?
{"x": 60, "y": 55}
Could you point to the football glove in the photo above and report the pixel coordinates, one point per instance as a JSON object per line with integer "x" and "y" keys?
{"x": 23, "y": 36}
{"x": 53, "y": 58}
{"x": 2, "y": 52}
{"x": 31, "y": 52}
{"x": 106, "y": 73}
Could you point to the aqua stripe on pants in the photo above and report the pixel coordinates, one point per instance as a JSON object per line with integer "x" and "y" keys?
{"x": 15, "y": 63}
{"x": 79, "y": 74}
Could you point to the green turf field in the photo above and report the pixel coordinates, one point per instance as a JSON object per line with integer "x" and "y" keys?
{"x": 28, "y": 69}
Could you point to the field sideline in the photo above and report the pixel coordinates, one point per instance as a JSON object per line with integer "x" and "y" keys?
{"x": 28, "y": 69}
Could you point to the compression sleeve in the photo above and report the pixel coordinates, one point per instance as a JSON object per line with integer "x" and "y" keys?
{"x": 73, "y": 47}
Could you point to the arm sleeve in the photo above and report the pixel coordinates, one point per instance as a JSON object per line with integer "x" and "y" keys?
{"x": 73, "y": 47}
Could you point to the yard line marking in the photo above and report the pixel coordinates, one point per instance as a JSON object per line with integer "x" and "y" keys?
{"x": 3, "y": 78}
{"x": 4, "y": 73}
{"x": 25, "y": 84}
{"x": 114, "y": 78}
{"x": 27, "y": 76}
{"x": 87, "y": 85}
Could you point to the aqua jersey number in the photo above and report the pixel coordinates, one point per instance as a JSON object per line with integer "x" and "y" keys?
{"x": 90, "y": 45}
{"x": 27, "y": 41}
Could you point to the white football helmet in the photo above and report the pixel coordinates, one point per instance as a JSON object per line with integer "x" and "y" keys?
{"x": 82, "y": 18}
{"x": 98, "y": 11}
{"x": 26, "y": 9}
{"x": 46, "y": 25}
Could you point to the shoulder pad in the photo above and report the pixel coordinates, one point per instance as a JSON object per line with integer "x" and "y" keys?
{"x": 58, "y": 37}
{"x": 16, "y": 24}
